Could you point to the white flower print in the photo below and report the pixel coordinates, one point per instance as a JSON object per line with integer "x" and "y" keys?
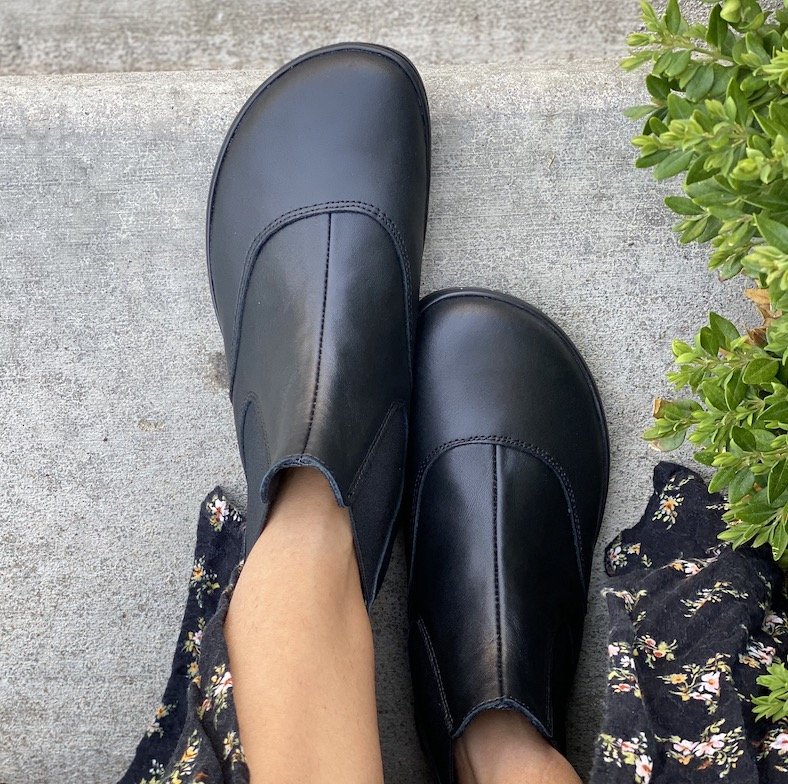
{"x": 758, "y": 656}
{"x": 780, "y": 742}
{"x": 643, "y": 768}
{"x": 711, "y": 682}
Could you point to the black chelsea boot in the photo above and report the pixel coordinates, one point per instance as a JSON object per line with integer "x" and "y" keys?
{"x": 508, "y": 475}
{"x": 315, "y": 229}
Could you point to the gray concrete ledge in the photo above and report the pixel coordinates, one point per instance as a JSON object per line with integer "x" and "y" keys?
{"x": 64, "y": 36}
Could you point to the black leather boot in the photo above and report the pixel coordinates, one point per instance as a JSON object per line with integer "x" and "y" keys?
{"x": 508, "y": 477}
{"x": 315, "y": 230}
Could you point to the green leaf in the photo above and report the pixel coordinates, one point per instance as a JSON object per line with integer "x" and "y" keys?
{"x": 772, "y": 231}
{"x": 682, "y": 205}
{"x": 730, "y": 269}
{"x": 735, "y": 390}
{"x": 722, "y": 75}
{"x": 697, "y": 172}
{"x": 778, "y": 412}
{"x": 722, "y": 479}
{"x": 645, "y": 161}
{"x": 778, "y": 114}
{"x": 679, "y": 62}
{"x": 726, "y": 460}
{"x": 714, "y": 395}
{"x": 777, "y": 483}
{"x": 673, "y": 16}
{"x": 702, "y": 81}
{"x": 763, "y": 438}
{"x": 679, "y": 347}
{"x": 779, "y": 541}
{"x": 655, "y": 125}
{"x": 687, "y": 74}
{"x": 767, "y": 200}
{"x": 712, "y": 228}
{"x": 731, "y": 10}
{"x": 739, "y": 50}
{"x": 740, "y": 101}
{"x": 670, "y": 442}
{"x": 679, "y": 108}
{"x": 774, "y": 704}
{"x": 662, "y": 62}
{"x": 658, "y": 88}
{"x": 755, "y": 512}
{"x": 675, "y": 163}
{"x": 762, "y": 536}
{"x": 704, "y": 457}
{"x": 649, "y": 15}
{"x": 634, "y": 61}
{"x": 709, "y": 341}
{"x": 636, "y": 112}
{"x": 743, "y": 438}
{"x": 769, "y": 127}
{"x": 752, "y": 84}
{"x": 709, "y": 193}
{"x": 755, "y": 22}
{"x": 760, "y": 370}
{"x": 740, "y": 485}
{"x": 755, "y": 48}
{"x": 717, "y": 29}
{"x": 694, "y": 230}
{"x": 723, "y": 329}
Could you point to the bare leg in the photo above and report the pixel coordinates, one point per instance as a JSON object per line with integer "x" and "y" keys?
{"x": 502, "y": 747}
{"x": 300, "y": 646}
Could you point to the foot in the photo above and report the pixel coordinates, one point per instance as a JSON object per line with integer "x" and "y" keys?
{"x": 508, "y": 476}
{"x": 503, "y": 747}
{"x": 316, "y": 223}
{"x": 300, "y": 645}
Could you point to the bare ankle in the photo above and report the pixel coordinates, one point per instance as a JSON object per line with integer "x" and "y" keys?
{"x": 301, "y": 487}
{"x": 300, "y": 645}
{"x": 306, "y": 508}
{"x": 503, "y": 747}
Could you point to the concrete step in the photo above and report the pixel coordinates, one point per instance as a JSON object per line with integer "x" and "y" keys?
{"x": 116, "y": 418}
{"x": 67, "y": 36}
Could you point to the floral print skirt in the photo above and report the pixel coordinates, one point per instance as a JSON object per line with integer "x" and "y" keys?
{"x": 193, "y": 736}
{"x": 693, "y": 623}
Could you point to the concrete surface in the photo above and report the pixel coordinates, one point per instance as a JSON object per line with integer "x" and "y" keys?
{"x": 115, "y": 415}
{"x": 57, "y": 36}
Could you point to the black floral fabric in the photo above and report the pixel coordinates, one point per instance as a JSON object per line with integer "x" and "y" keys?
{"x": 693, "y": 623}
{"x": 193, "y": 736}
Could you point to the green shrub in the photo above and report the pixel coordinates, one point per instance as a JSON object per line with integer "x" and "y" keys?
{"x": 773, "y": 705}
{"x": 718, "y": 118}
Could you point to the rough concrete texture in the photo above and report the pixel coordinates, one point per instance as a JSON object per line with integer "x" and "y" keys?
{"x": 64, "y": 36}
{"x": 115, "y": 412}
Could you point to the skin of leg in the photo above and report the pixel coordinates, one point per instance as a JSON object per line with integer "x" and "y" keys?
{"x": 300, "y": 646}
{"x": 503, "y": 747}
